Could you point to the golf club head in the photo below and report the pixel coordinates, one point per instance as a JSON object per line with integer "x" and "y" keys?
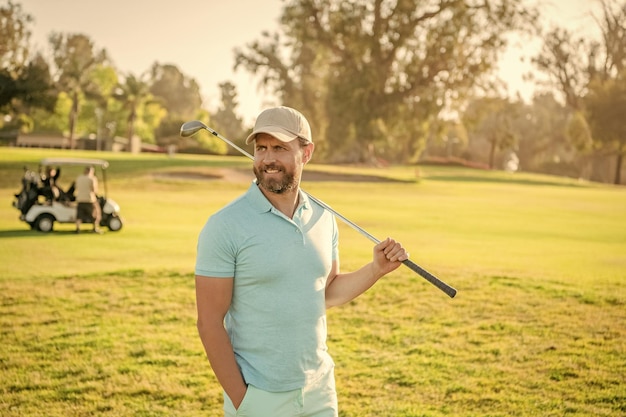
{"x": 191, "y": 128}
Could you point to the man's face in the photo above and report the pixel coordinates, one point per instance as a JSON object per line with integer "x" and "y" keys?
{"x": 278, "y": 165}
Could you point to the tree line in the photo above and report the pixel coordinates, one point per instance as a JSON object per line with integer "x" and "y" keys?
{"x": 381, "y": 81}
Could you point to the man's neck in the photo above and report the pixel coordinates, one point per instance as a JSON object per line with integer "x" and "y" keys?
{"x": 285, "y": 202}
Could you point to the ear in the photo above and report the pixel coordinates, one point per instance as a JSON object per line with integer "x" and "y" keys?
{"x": 308, "y": 152}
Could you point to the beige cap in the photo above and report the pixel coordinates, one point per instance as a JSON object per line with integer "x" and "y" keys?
{"x": 284, "y": 123}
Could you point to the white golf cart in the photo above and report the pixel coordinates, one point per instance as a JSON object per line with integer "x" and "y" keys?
{"x": 41, "y": 204}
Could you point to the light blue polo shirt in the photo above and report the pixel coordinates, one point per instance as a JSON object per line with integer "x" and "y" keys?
{"x": 277, "y": 318}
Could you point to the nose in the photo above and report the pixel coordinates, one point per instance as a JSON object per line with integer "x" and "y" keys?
{"x": 268, "y": 156}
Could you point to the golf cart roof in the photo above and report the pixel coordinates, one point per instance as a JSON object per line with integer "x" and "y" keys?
{"x": 75, "y": 161}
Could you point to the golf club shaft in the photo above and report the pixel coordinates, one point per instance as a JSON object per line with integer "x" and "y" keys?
{"x": 451, "y": 292}
{"x": 448, "y": 290}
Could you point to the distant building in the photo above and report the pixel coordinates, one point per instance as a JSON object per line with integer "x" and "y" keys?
{"x": 55, "y": 141}
{"x": 43, "y": 141}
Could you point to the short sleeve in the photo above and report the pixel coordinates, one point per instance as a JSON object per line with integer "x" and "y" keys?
{"x": 215, "y": 254}
{"x": 335, "y": 240}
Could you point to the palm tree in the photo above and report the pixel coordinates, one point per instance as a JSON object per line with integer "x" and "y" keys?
{"x": 134, "y": 93}
{"x": 75, "y": 58}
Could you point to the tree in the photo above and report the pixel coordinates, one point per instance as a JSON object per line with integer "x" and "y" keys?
{"x": 32, "y": 87}
{"x": 75, "y": 58}
{"x": 379, "y": 71}
{"x": 588, "y": 74}
{"x": 606, "y": 101}
{"x": 491, "y": 120}
{"x": 572, "y": 63}
{"x": 180, "y": 94}
{"x": 25, "y": 81}
{"x": 55, "y": 121}
{"x": 564, "y": 60}
{"x": 579, "y": 135}
{"x": 543, "y": 142}
{"x": 226, "y": 121}
{"x": 609, "y": 55}
{"x": 15, "y": 35}
{"x": 96, "y": 108}
{"x": 606, "y": 107}
{"x": 134, "y": 93}
{"x": 447, "y": 139}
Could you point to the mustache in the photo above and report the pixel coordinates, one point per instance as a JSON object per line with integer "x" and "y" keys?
{"x": 272, "y": 166}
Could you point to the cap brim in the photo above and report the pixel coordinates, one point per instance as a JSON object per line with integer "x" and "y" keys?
{"x": 278, "y": 132}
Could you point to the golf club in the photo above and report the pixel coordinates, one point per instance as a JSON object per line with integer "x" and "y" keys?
{"x": 192, "y": 127}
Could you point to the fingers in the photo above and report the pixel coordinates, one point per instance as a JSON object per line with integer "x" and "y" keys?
{"x": 393, "y": 251}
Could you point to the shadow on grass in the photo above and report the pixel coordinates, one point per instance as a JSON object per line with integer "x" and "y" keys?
{"x": 34, "y": 233}
{"x": 505, "y": 180}
{"x": 319, "y": 176}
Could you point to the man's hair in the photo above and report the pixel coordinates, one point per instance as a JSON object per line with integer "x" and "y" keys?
{"x": 303, "y": 142}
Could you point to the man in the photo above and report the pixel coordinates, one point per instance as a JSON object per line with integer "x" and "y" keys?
{"x": 88, "y": 207}
{"x": 51, "y": 190}
{"x": 267, "y": 268}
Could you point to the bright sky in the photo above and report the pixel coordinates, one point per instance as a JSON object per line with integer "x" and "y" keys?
{"x": 198, "y": 36}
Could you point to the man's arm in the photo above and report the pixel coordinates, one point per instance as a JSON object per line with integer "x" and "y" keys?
{"x": 213, "y": 298}
{"x": 342, "y": 288}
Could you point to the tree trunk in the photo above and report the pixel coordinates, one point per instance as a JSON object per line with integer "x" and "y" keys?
{"x": 586, "y": 167}
{"x": 492, "y": 153}
{"x": 131, "y": 129}
{"x": 618, "y": 169}
{"x": 73, "y": 117}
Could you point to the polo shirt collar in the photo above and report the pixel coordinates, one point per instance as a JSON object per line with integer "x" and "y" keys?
{"x": 263, "y": 205}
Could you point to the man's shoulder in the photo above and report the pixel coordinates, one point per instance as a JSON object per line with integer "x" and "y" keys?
{"x": 234, "y": 208}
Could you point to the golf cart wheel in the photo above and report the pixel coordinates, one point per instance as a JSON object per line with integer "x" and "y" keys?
{"x": 114, "y": 223}
{"x": 44, "y": 223}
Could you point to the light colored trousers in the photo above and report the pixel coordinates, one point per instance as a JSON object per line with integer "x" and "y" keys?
{"x": 316, "y": 400}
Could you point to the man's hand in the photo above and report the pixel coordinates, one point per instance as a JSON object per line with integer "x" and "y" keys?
{"x": 388, "y": 256}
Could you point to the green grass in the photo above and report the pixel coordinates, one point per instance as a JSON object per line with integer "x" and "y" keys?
{"x": 105, "y": 325}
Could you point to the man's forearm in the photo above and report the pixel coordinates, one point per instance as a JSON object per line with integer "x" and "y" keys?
{"x": 388, "y": 255}
{"x": 346, "y": 287}
{"x": 220, "y": 353}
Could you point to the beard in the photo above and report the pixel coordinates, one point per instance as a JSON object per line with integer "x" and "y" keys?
{"x": 288, "y": 181}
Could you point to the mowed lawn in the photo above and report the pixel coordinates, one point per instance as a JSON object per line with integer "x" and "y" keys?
{"x": 105, "y": 325}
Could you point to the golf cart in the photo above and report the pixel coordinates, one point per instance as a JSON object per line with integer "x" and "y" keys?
{"x": 42, "y": 200}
